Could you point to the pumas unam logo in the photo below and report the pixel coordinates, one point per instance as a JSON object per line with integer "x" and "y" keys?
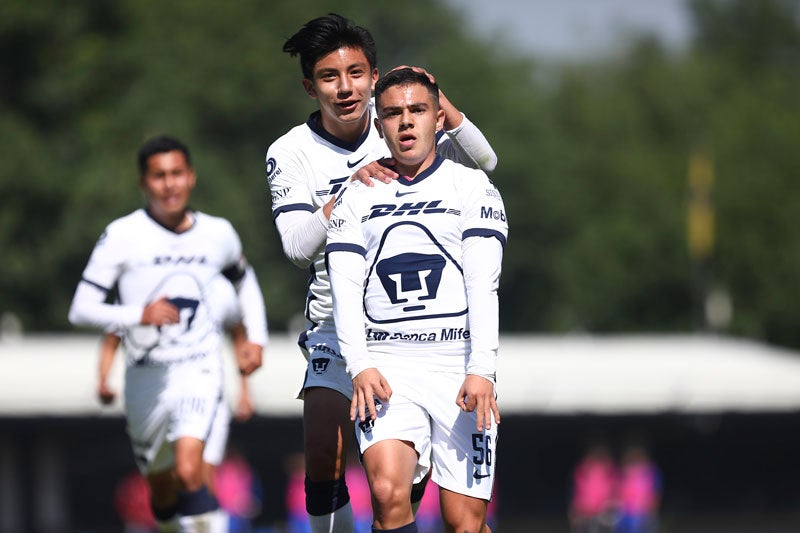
{"x": 367, "y": 425}
{"x": 411, "y": 278}
{"x": 320, "y": 365}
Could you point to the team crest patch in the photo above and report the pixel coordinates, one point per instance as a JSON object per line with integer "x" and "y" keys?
{"x": 367, "y": 425}
{"x": 320, "y": 365}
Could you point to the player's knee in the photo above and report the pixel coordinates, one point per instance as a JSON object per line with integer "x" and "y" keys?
{"x": 325, "y": 497}
{"x": 388, "y": 494}
{"x": 189, "y": 475}
{"x": 469, "y": 526}
{"x": 467, "y": 521}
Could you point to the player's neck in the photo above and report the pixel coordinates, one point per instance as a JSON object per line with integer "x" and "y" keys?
{"x": 412, "y": 170}
{"x": 348, "y": 132}
{"x": 178, "y": 222}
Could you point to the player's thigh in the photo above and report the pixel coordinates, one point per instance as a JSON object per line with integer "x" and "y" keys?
{"x": 399, "y": 419}
{"x": 328, "y": 433}
{"x": 390, "y": 466}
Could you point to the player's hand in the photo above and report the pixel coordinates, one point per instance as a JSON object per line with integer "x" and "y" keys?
{"x": 453, "y": 117}
{"x": 417, "y": 69}
{"x": 477, "y": 394}
{"x": 160, "y": 312}
{"x": 105, "y": 394}
{"x": 366, "y": 385}
{"x": 378, "y": 170}
{"x": 249, "y": 357}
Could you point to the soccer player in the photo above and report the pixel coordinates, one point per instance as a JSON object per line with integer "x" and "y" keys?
{"x": 223, "y": 302}
{"x": 418, "y": 261}
{"x": 163, "y": 259}
{"x": 305, "y": 169}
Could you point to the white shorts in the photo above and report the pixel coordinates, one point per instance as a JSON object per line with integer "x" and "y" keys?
{"x": 326, "y": 366}
{"x": 423, "y": 410}
{"x": 164, "y": 403}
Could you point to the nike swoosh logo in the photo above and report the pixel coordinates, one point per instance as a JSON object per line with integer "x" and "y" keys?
{"x": 478, "y": 475}
{"x": 351, "y": 165}
{"x": 398, "y": 194}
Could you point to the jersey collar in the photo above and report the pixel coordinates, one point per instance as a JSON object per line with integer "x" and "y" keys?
{"x": 189, "y": 211}
{"x": 314, "y": 123}
{"x": 437, "y": 162}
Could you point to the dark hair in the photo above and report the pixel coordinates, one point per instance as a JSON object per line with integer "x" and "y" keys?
{"x": 406, "y": 76}
{"x": 161, "y": 145}
{"x": 321, "y": 36}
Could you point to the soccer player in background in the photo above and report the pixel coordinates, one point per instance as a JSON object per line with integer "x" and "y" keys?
{"x": 162, "y": 259}
{"x": 418, "y": 261}
{"x": 305, "y": 169}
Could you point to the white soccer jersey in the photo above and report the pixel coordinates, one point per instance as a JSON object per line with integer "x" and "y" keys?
{"x": 147, "y": 261}
{"x": 307, "y": 166}
{"x": 408, "y": 240}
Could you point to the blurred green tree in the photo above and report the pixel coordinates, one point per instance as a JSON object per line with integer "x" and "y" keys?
{"x": 593, "y": 156}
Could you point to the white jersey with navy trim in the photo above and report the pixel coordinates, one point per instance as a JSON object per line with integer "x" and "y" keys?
{"x": 409, "y": 240}
{"x": 307, "y": 166}
{"x": 146, "y": 261}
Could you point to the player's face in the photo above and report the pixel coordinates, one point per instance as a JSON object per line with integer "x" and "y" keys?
{"x": 408, "y": 120}
{"x": 342, "y": 86}
{"x": 168, "y": 184}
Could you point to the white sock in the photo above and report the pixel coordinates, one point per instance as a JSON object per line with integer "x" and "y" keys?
{"x": 219, "y": 522}
{"x": 340, "y": 521}
{"x": 168, "y": 526}
{"x": 210, "y": 522}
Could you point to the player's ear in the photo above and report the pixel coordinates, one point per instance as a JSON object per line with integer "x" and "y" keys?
{"x": 378, "y": 127}
{"x": 439, "y": 119}
{"x": 375, "y": 76}
{"x": 308, "y": 86}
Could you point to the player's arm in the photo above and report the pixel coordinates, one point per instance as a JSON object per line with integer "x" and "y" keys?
{"x": 481, "y": 263}
{"x": 482, "y": 253}
{"x": 244, "y": 409}
{"x": 254, "y": 319}
{"x": 346, "y": 264}
{"x": 346, "y": 271}
{"x": 301, "y": 226}
{"x": 108, "y": 348}
{"x": 467, "y": 144}
{"x": 89, "y": 308}
{"x": 254, "y": 315}
{"x": 90, "y": 305}
{"x": 302, "y": 234}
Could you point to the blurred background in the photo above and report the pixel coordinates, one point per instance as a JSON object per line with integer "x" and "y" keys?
{"x": 647, "y": 152}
